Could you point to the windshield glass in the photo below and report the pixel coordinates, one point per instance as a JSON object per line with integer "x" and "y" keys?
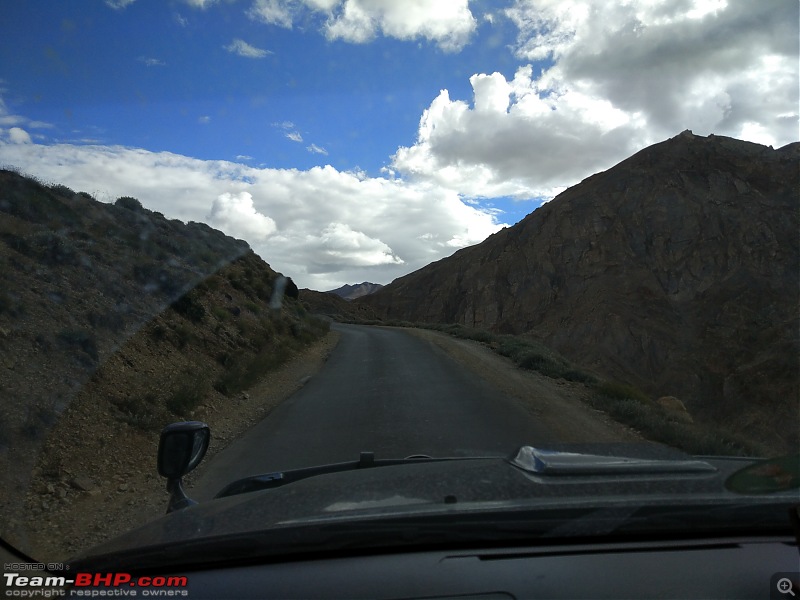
{"x": 419, "y": 228}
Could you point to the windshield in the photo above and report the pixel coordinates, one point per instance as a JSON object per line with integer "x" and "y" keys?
{"x": 420, "y": 228}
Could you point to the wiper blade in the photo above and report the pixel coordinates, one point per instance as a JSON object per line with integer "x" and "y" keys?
{"x": 555, "y": 462}
{"x": 366, "y": 460}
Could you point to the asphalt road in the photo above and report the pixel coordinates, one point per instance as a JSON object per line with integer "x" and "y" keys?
{"x": 385, "y": 391}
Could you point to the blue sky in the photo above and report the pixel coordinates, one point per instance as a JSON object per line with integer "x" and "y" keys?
{"x": 352, "y": 140}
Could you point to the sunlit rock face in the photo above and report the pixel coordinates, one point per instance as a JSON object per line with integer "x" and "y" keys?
{"x": 676, "y": 270}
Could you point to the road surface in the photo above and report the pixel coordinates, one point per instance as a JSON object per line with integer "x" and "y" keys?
{"x": 381, "y": 390}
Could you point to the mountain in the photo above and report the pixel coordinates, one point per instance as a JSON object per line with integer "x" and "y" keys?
{"x": 676, "y": 271}
{"x": 351, "y": 292}
{"x": 126, "y": 319}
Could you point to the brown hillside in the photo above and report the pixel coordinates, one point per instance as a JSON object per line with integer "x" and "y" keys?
{"x": 676, "y": 270}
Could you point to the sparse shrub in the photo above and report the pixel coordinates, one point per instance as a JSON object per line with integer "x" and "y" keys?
{"x": 187, "y": 395}
{"x": 189, "y": 307}
{"x": 62, "y": 190}
{"x": 621, "y": 391}
{"x": 224, "y": 358}
{"x": 654, "y": 424}
{"x": 129, "y": 203}
{"x": 141, "y": 413}
{"x": 220, "y": 313}
{"x": 51, "y": 248}
{"x": 579, "y": 376}
{"x": 183, "y": 336}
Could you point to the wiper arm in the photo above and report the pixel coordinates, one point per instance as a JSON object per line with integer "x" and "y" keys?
{"x": 366, "y": 460}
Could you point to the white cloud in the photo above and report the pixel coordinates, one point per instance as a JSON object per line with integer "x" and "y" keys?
{"x": 322, "y": 227}
{"x": 17, "y": 135}
{"x": 203, "y": 120}
{"x": 242, "y": 48}
{"x": 152, "y": 62}
{"x": 338, "y": 244}
{"x": 294, "y": 136}
{"x": 119, "y": 4}
{"x": 446, "y": 23}
{"x": 235, "y": 214}
{"x": 273, "y": 12}
{"x": 314, "y": 149}
{"x": 201, "y": 4}
{"x": 616, "y": 77}
{"x": 449, "y": 24}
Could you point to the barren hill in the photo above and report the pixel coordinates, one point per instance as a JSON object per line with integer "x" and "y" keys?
{"x": 115, "y": 321}
{"x": 676, "y": 270}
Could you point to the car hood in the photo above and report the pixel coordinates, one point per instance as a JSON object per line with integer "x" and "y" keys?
{"x": 439, "y": 491}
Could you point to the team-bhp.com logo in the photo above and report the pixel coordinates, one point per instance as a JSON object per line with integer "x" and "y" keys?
{"x": 93, "y": 585}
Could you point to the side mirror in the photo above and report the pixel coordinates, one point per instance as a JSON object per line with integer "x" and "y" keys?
{"x": 180, "y": 449}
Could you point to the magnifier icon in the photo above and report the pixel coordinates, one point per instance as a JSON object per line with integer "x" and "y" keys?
{"x": 785, "y": 586}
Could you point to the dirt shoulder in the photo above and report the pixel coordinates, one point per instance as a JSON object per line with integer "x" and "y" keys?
{"x": 97, "y": 478}
{"x": 558, "y": 404}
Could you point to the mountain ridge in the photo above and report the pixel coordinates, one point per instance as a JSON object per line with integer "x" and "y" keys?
{"x": 356, "y": 290}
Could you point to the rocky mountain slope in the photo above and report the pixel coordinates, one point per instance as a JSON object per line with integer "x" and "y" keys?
{"x": 676, "y": 270}
{"x": 115, "y": 321}
{"x": 351, "y": 292}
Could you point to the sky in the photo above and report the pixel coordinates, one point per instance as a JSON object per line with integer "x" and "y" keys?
{"x": 360, "y": 140}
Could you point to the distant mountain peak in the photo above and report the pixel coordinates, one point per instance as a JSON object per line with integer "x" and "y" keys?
{"x": 351, "y": 292}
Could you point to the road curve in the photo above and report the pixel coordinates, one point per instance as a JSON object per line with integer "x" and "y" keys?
{"x": 381, "y": 390}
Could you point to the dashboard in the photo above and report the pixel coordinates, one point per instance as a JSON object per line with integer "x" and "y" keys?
{"x": 710, "y": 568}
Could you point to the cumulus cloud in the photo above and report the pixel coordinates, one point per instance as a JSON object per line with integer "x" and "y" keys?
{"x": 448, "y": 24}
{"x": 322, "y": 227}
{"x": 17, "y": 135}
{"x": 339, "y": 244}
{"x": 242, "y": 48}
{"x": 235, "y": 214}
{"x": 611, "y": 78}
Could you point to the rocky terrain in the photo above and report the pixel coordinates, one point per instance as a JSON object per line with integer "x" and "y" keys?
{"x": 115, "y": 321}
{"x": 676, "y": 271}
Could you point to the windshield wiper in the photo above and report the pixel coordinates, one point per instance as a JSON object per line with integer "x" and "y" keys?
{"x": 366, "y": 460}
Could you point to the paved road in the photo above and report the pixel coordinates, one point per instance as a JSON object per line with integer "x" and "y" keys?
{"x": 385, "y": 391}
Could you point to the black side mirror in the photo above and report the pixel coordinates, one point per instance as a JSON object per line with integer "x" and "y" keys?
{"x": 180, "y": 449}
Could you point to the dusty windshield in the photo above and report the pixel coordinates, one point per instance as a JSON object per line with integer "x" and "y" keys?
{"x": 326, "y": 227}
